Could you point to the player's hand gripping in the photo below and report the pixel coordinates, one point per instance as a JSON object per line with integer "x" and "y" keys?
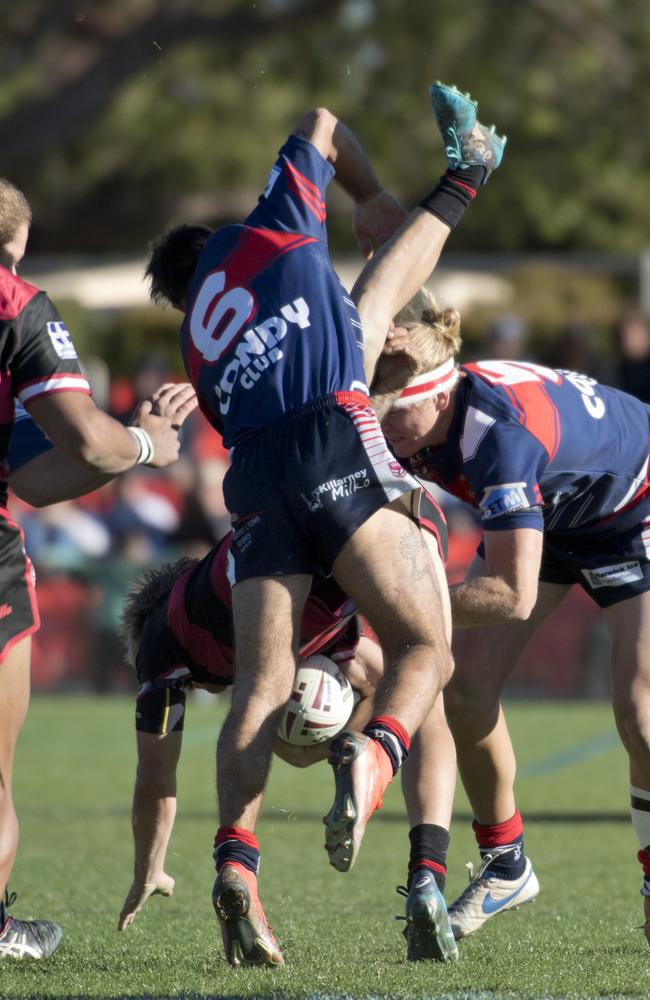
{"x": 375, "y": 221}
{"x": 399, "y": 360}
{"x": 174, "y": 400}
{"x": 161, "y": 884}
{"x": 399, "y": 344}
{"x": 162, "y": 415}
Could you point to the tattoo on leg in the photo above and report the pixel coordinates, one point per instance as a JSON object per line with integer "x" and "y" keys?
{"x": 414, "y": 551}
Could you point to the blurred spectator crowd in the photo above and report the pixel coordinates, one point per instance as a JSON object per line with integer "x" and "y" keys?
{"x": 88, "y": 552}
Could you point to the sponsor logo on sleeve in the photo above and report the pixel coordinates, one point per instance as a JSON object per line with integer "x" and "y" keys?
{"x": 270, "y": 184}
{"x": 613, "y": 576}
{"x": 503, "y": 499}
{"x": 61, "y": 340}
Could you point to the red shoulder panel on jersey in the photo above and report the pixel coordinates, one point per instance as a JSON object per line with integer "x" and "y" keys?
{"x": 14, "y": 294}
{"x": 535, "y": 410}
{"x": 538, "y": 414}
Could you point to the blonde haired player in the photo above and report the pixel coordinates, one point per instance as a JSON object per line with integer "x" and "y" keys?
{"x": 557, "y": 466}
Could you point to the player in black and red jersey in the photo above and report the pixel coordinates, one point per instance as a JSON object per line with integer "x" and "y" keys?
{"x": 179, "y": 631}
{"x": 39, "y": 367}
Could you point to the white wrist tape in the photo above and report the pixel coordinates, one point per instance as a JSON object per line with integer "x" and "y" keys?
{"x": 145, "y": 445}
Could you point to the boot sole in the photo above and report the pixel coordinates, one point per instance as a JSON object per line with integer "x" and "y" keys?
{"x": 246, "y": 947}
{"x": 425, "y": 935}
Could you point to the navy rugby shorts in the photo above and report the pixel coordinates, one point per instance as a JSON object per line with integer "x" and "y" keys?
{"x": 299, "y": 488}
{"x": 18, "y": 607}
{"x": 610, "y": 567}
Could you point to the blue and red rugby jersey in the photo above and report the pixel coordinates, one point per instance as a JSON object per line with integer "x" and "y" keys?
{"x": 532, "y": 447}
{"x": 269, "y": 325}
{"x": 37, "y": 356}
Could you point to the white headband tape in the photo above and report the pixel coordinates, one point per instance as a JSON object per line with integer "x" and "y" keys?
{"x": 427, "y": 384}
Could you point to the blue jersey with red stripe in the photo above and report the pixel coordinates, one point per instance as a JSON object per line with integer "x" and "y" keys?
{"x": 269, "y": 325}
{"x": 533, "y": 447}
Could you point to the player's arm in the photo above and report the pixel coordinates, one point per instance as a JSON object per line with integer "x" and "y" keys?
{"x": 364, "y": 672}
{"x": 506, "y": 591}
{"x": 50, "y": 476}
{"x": 503, "y": 473}
{"x": 377, "y": 214}
{"x": 79, "y": 429}
{"x": 393, "y": 276}
{"x": 47, "y": 380}
{"x": 153, "y": 814}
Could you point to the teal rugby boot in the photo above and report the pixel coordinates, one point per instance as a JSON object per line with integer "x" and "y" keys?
{"x": 467, "y": 142}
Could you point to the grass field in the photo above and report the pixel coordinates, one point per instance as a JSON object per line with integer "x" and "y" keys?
{"x": 73, "y": 786}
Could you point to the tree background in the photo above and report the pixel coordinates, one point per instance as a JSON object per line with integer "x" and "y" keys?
{"x": 119, "y": 118}
{"x": 122, "y": 116}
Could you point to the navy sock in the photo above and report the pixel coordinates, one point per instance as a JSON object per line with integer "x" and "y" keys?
{"x": 393, "y": 737}
{"x": 237, "y": 845}
{"x": 506, "y": 842}
{"x": 508, "y": 865}
{"x": 429, "y": 846}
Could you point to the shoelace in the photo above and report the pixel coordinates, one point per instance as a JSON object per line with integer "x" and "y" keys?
{"x": 403, "y": 891}
{"x": 475, "y": 879}
{"x": 10, "y": 899}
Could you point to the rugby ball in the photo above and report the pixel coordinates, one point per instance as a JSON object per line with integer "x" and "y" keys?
{"x": 321, "y": 703}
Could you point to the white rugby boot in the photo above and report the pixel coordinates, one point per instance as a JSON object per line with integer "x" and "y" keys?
{"x": 484, "y": 897}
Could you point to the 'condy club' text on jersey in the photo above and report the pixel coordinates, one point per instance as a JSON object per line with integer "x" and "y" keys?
{"x": 270, "y": 326}
{"x": 525, "y": 437}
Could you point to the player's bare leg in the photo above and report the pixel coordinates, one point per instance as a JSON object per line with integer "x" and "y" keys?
{"x": 429, "y": 774}
{"x": 629, "y": 628}
{"x": 385, "y": 568}
{"x": 18, "y": 938}
{"x": 267, "y": 614}
{"x": 428, "y": 783}
{"x": 484, "y": 658}
{"x": 14, "y": 702}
